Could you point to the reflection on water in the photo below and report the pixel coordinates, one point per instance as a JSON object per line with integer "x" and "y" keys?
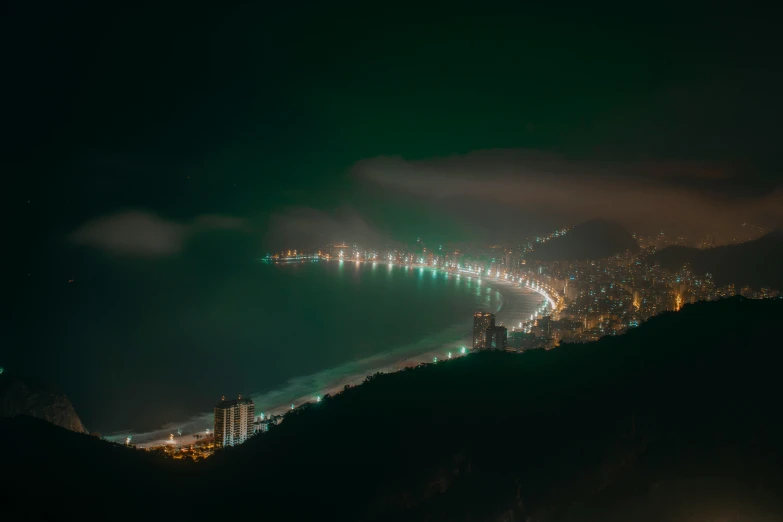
{"x": 281, "y": 333}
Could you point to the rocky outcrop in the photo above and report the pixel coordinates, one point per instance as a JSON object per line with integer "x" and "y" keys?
{"x": 20, "y": 398}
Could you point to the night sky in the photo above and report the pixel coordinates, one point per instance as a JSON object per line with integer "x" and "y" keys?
{"x": 263, "y": 112}
{"x": 133, "y": 131}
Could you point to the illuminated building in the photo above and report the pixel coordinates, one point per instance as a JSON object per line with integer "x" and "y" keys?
{"x": 496, "y": 338}
{"x": 339, "y": 249}
{"x": 234, "y": 421}
{"x": 481, "y": 322}
{"x": 545, "y": 326}
{"x": 571, "y": 290}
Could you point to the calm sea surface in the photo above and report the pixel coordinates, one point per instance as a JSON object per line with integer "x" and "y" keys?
{"x": 138, "y": 345}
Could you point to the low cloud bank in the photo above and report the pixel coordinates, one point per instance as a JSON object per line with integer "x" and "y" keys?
{"x": 144, "y": 234}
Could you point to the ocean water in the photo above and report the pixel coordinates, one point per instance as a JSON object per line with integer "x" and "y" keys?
{"x": 142, "y": 344}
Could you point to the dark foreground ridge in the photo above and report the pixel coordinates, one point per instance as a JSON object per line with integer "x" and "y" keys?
{"x": 677, "y": 420}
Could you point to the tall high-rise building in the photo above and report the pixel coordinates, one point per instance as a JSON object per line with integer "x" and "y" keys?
{"x": 497, "y": 338}
{"x": 481, "y": 321}
{"x": 233, "y": 421}
{"x": 545, "y": 323}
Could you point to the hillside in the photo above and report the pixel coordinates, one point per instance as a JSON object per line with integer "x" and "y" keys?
{"x": 676, "y": 417}
{"x": 589, "y": 240}
{"x": 754, "y": 263}
{"x": 18, "y": 397}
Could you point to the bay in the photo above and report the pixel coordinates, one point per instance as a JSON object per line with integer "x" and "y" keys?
{"x": 142, "y": 344}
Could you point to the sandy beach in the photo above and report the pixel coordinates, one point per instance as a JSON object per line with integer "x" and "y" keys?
{"x": 517, "y": 305}
{"x": 511, "y": 313}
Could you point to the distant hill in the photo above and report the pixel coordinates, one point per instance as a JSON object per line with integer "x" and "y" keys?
{"x": 674, "y": 418}
{"x": 19, "y": 397}
{"x": 594, "y": 239}
{"x": 755, "y": 263}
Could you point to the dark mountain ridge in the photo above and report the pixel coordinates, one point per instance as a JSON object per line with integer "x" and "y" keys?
{"x": 674, "y": 418}
{"x": 754, "y": 263}
{"x": 594, "y": 239}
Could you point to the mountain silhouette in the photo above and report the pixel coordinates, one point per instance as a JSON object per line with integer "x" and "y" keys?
{"x": 755, "y": 263}
{"x": 31, "y": 398}
{"x": 593, "y": 239}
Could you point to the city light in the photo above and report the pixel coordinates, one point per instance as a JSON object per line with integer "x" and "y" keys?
{"x": 318, "y": 399}
{"x": 570, "y": 292}
{"x": 434, "y": 359}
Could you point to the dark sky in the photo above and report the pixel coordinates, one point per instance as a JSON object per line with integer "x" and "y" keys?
{"x": 131, "y": 130}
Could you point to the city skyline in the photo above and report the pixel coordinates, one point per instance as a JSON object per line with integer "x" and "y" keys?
{"x": 590, "y": 297}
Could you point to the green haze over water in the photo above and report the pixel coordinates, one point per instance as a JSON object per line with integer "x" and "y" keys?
{"x": 138, "y": 346}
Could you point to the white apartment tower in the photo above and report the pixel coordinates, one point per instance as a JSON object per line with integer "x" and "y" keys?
{"x": 233, "y": 421}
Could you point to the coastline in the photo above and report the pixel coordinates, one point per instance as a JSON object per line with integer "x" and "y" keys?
{"x": 516, "y": 305}
{"x": 509, "y": 313}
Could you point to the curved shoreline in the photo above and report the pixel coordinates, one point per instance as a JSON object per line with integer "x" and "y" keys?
{"x": 504, "y": 314}
{"x": 301, "y": 389}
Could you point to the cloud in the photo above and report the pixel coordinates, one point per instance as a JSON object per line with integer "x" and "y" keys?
{"x": 143, "y": 234}
{"x": 312, "y": 228}
{"x": 680, "y": 196}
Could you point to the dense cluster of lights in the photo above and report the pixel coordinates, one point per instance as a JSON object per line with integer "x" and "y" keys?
{"x": 540, "y": 278}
